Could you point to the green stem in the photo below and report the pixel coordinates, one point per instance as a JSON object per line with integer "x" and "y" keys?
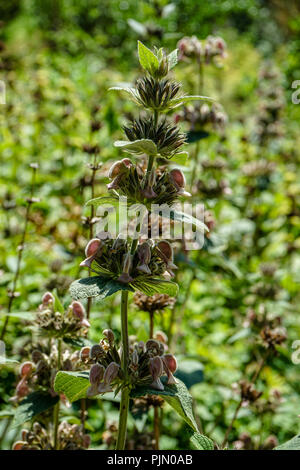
{"x": 56, "y": 408}
{"x": 124, "y": 405}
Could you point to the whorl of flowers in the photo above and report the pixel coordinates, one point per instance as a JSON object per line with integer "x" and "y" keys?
{"x": 206, "y": 51}
{"x": 167, "y": 138}
{"x": 112, "y": 259}
{"x": 58, "y": 324}
{"x": 147, "y": 364}
{"x": 153, "y": 303}
{"x": 70, "y": 437}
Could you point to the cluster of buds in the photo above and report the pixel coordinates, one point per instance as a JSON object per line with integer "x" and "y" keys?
{"x": 245, "y": 442}
{"x": 153, "y": 303}
{"x": 272, "y": 103}
{"x": 39, "y": 372}
{"x": 158, "y": 187}
{"x": 70, "y": 437}
{"x": 248, "y": 392}
{"x": 206, "y": 51}
{"x": 113, "y": 259}
{"x": 203, "y": 116}
{"x": 147, "y": 364}
{"x": 57, "y": 324}
{"x": 272, "y": 337}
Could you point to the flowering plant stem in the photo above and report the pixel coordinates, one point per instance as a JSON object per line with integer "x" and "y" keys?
{"x": 125, "y": 355}
{"x": 56, "y": 408}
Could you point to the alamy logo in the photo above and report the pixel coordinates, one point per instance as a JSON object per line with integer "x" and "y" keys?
{"x": 296, "y": 94}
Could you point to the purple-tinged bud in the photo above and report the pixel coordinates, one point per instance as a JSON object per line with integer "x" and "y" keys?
{"x": 166, "y": 253}
{"x": 170, "y": 362}
{"x": 170, "y": 366}
{"x": 144, "y": 254}
{"x": 85, "y": 353}
{"x": 18, "y": 445}
{"x": 24, "y": 434}
{"x": 141, "y": 346}
{"x": 96, "y": 374}
{"x": 47, "y": 299}
{"x": 149, "y": 193}
{"x": 156, "y": 367}
{"x": 79, "y": 312}
{"x": 111, "y": 373}
{"x": 110, "y": 336}
{"x": 91, "y": 251}
{"x": 119, "y": 167}
{"x": 22, "y": 388}
{"x": 96, "y": 352}
{"x": 26, "y": 369}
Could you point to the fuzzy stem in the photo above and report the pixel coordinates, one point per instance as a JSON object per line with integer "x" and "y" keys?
{"x": 56, "y": 408}
{"x": 124, "y": 405}
{"x": 20, "y": 253}
{"x": 151, "y": 324}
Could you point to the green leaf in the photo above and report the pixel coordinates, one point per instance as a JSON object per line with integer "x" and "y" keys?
{"x": 102, "y": 200}
{"x": 96, "y": 286}
{"x": 173, "y": 58}
{"x": 180, "y": 158}
{"x": 137, "y": 146}
{"x": 194, "y": 136}
{"x": 190, "y": 372}
{"x": 23, "y": 315}
{"x": 147, "y": 59}
{"x": 33, "y": 405}
{"x": 156, "y": 286}
{"x": 177, "y": 396}
{"x": 292, "y": 444}
{"x": 72, "y": 384}
{"x": 201, "y": 442}
{"x": 187, "y": 98}
{"x": 57, "y": 304}
{"x": 7, "y": 414}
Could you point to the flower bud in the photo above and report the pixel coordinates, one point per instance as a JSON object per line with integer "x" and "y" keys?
{"x": 161, "y": 336}
{"x": 96, "y": 352}
{"x": 24, "y": 434}
{"x": 119, "y": 168}
{"x": 79, "y": 312}
{"x": 91, "y": 251}
{"x": 110, "y": 336}
{"x": 156, "y": 367}
{"x": 36, "y": 356}
{"x": 85, "y": 353}
{"x": 22, "y": 388}
{"x": 96, "y": 374}
{"x": 26, "y": 369}
{"x": 144, "y": 254}
{"x": 18, "y": 445}
{"x": 170, "y": 365}
{"x": 47, "y": 299}
{"x": 154, "y": 347}
{"x": 125, "y": 277}
{"x": 111, "y": 373}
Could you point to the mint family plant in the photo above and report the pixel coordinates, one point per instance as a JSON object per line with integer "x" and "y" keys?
{"x": 131, "y": 264}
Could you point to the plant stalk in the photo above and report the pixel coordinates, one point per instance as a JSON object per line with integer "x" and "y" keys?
{"x": 124, "y": 405}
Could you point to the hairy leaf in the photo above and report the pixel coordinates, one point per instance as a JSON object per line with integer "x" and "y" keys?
{"x": 292, "y": 444}
{"x": 96, "y": 286}
{"x": 173, "y": 58}
{"x": 72, "y": 384}
{"x": 103, "y": 200}
{"x": 137, "y": 146}
{"x": 33, "y": 405}
{"x": 147, "y": 59}
{"x": 156, "y": 286}
{"x": 176, "y": 396}
{"x": 201, "y": 442}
